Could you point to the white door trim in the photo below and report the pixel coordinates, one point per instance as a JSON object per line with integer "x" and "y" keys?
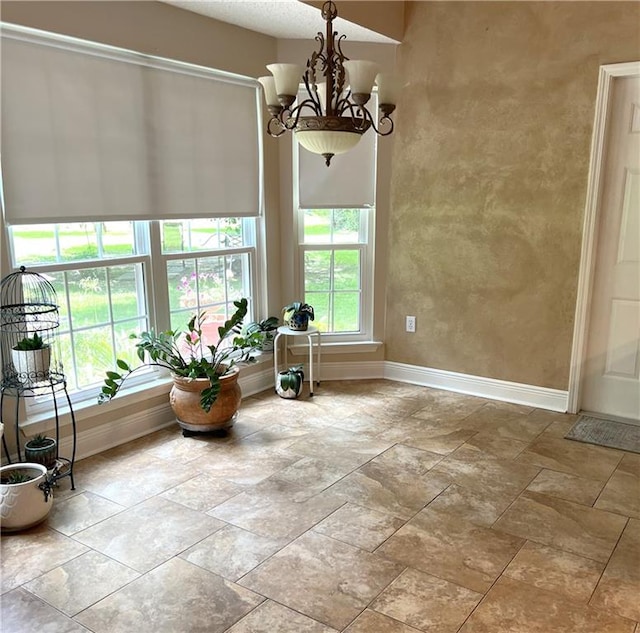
{"x": 590, "y": 228}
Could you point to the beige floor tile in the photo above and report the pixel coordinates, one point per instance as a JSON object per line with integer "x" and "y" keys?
{"x": 389, "y": 489}
{"x": 426, "y": 602}
{"x": 112, "y": 479}
{"x": 81, "y": 582}
{"x": 563, "y": 524}
{"x": 619, "y": 588}
{"x": 440, "y": 437}
{"x": 441, "y": 441}
{"x": 328, "y": 581}
{"x": 231, "y": 552}
{"x": 271, "y": 617}
{"x": 358, "y": 526}
{"x": 80, "y": 511}
{"x": 556, "y": 571}
{"x": 472, "y": 506}
{"x": 312, "y": 474}
{"x": 554, "y": 420}
{"x": 440, "y": 405}
{"x": 362, "y": 423}
{"x": 203, "y": 492}
{"x": 372, "y": 622}
{"x": 276, "y": 515}
{"x": 506, "y": 421}
{"x": 565, "y": 486}
{"x": 22, "y": 612}
{"x": 560, "y": 426}
{"x": 148, "y": 534}
{"x": 472, "y": 468}
{"x": 622, "y": 492}
{"x": 275, "y": 435}
{"x": 184, "y": 450}
{"x": 340, "y": 448}
{"x": 176, "y": 596}
{"x": 575, "y": 458}
{"x": 515, "y": 607}
{"x": 27, "y": 555}
{"x": 243, "y": 463}
{"x": 468, "y": 555}
{"x": 496, "y": 445}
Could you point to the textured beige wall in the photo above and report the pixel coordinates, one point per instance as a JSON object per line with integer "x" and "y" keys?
{"x": 489, "y": 181}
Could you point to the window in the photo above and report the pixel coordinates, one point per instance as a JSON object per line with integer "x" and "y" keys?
{"x": 335, "y": 209}
{"x": 335, "y": 257}
{"x": 103, "y": 274}
{"x": 116, "y": 163}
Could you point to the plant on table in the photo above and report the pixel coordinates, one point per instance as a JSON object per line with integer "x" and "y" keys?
{"x": 297, "y": 315}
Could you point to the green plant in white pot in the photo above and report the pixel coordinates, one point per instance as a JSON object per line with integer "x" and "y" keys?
{"x": 41, "y": 449}
{"x": 297, "y": 315}
{"x": 31, "y": 357}
{"x": 289, "y": 382}
{"x": 25, "y": 496}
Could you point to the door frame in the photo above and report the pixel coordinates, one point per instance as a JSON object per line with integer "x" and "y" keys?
{"x": 606, "y": 77}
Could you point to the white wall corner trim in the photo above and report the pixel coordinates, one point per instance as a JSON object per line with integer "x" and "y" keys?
{"x": 517, "y": 393}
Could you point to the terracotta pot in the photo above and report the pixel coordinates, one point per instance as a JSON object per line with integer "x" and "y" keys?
{"x": 185, "y": 402}
{"x": 23, "y": 505}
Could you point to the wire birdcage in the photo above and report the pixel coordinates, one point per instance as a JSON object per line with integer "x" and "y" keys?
{"x": 29, "y": 322}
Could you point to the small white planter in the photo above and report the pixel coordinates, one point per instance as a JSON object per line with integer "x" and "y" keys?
{"x": 23, "y": 505}
{"x": 32, "y": 365}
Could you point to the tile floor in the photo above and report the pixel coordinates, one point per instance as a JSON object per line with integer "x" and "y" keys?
{"x": 374, "y": 507}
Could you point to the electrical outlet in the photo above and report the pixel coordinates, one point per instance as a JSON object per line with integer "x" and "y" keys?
{"x": 411, "y": 324}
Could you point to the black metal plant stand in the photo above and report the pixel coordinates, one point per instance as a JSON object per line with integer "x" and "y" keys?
{"x": 29, "y": 312}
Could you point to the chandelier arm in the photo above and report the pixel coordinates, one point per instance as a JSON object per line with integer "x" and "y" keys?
{"x": 275, "y": 127}
{"x": 294, "y": 115}
{"x": 315, "y": 100}
{"x": 383, "y": 122}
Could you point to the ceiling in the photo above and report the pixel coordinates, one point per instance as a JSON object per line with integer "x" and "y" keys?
{"x": 286, "y": 19}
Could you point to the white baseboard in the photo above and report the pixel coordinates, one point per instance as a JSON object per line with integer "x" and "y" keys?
{"x": 352, "y": 370}
{"x": 96, "y": 440}
{"x": 517, "y": 393}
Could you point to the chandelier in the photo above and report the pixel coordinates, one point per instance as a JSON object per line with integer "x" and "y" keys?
{"x": 332, "y": 115}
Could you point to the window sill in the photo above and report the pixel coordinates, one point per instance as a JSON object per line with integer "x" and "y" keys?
{"x": 352, "y": 347}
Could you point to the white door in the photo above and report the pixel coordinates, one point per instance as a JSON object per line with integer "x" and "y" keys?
{"x": 611, "y": 378}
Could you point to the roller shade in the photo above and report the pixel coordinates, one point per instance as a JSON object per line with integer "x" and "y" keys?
{"x": 94, "y": 133}
{"x": 350, "y": 180}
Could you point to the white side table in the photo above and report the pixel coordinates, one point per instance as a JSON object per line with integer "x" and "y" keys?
{"x": 309, "y": 333}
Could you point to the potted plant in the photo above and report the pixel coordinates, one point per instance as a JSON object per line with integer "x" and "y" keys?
{"x": 31, "y": 357}
{"x": 205, "y": 395}
{"x": 25, "y": 496}
{"x": 297, "y": 315}
{"x": 289, "y": 382}
{"x": 265, "y": 330}
{"x": 41, "y": 449}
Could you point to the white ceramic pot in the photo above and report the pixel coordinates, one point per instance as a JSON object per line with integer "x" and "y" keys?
{"x": 23, "y": 505}
{"x": 31, "y": 365}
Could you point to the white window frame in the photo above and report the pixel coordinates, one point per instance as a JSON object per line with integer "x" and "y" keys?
{"x": 365, "y": 247}
{"x": 148, "y": 243}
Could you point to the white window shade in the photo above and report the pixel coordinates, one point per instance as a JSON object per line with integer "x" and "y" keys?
{"x": 93, "y": 134}
{"x": 350, "y": 180}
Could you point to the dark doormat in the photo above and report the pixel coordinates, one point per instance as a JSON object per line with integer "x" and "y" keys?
{"x": 606, "y": 433}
